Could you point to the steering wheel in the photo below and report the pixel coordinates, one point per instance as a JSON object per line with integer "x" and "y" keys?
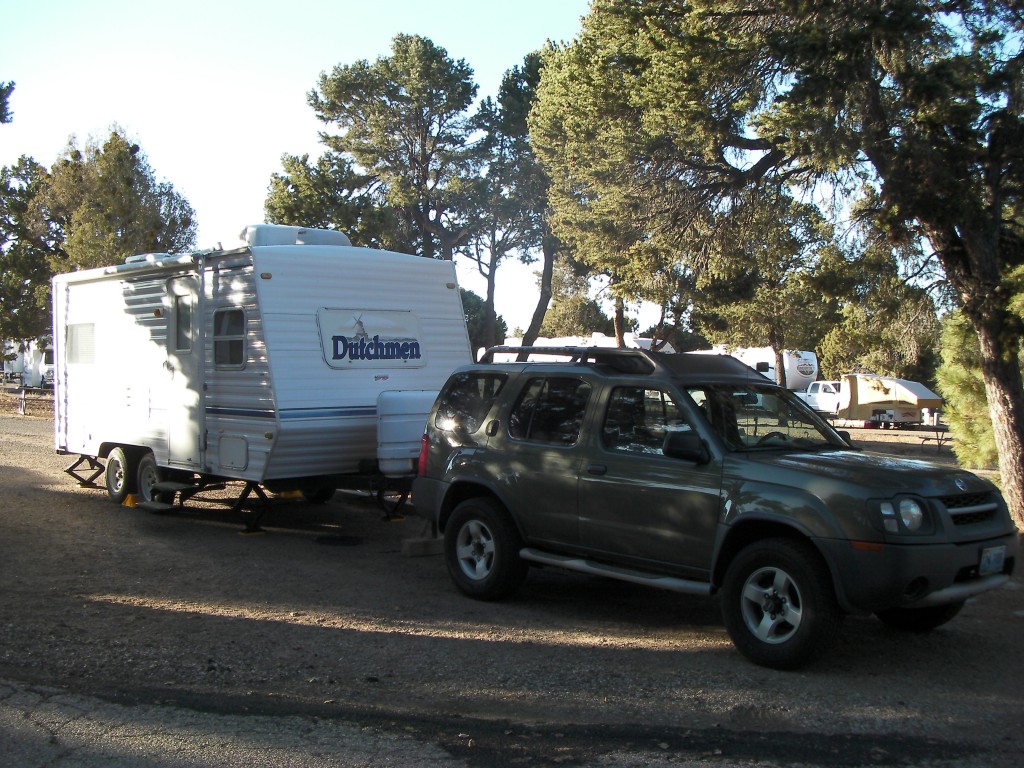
{"x": 765, "y": 438}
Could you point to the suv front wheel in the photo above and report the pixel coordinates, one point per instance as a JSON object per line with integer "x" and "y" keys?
{"x": 481, "y": 547}
{"x": 778, "y": 604}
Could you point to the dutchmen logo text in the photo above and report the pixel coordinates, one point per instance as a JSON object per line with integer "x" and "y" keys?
{"x": 361, "y": 346}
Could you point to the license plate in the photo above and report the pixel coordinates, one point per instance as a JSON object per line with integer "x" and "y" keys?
{"x": 992, "y": 561}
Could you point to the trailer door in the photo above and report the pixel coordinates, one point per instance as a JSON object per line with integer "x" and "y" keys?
{"x": 184, "y": 369}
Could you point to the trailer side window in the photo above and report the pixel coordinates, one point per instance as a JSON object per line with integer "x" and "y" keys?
{"x": 81, "y": 343}
{"x": 229, "y": 338}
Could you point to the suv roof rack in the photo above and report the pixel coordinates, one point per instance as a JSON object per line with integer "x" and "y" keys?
{"x": 617, "y": 358}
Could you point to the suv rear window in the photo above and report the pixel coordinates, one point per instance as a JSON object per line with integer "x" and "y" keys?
{"x": 550, "y": 410}
{"x": 466, "y": 400}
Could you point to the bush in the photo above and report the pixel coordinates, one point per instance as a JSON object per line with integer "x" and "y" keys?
{"x": 961, "y": 385}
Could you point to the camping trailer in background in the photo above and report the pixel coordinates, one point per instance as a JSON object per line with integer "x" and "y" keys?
{"x": 801, "y": 367}
{"x": 262, "y": 363}
{"x": 27, "y": 363}
{"x": 870, "y": 400}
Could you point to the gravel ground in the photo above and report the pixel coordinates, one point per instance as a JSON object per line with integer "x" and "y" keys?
{"x": 322, "y": 615}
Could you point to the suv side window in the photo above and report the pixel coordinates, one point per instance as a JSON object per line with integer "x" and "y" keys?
{"x": 720, "y": 409}
{"x": 637, "y": 420}
{"x": 466, "y": 401}
{"x": 550, "y": 410}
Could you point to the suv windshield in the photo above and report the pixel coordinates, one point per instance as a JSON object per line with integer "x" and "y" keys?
{"x": 752, "y": 417}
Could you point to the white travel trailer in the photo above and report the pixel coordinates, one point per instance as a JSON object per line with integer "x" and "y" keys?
{"x": 262, "y": 363}
{"x": 801, "y": 367}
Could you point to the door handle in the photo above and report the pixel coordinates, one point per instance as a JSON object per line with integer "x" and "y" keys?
{"x": 597, "y": 469}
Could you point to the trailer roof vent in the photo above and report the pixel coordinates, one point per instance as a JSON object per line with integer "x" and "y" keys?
{"x": 147, "y": 258}
{"x": 276, "y": 234}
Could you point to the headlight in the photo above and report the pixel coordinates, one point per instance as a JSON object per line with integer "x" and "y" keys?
{"x": 903, "y": 515}
{"x": 889, "y": 517}
{"x": 911, "y": 514}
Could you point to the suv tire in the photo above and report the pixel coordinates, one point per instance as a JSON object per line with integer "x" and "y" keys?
{"x": 779, "y": 605}
{"x": 481, "y": 549}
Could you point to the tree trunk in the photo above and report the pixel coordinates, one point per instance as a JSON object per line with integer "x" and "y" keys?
{"x": 1005, "y": 389}
{"x": 549, "y": 249}
{"x": 620, "y": 323}
{"x": 490, "y": 322}
{"x": 970, "y": 258}
{"x": 780, "y": 367}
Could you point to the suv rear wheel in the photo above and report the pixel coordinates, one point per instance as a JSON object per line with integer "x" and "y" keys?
{"x": 481, "y": 547}
{"x": 778, "y": 604}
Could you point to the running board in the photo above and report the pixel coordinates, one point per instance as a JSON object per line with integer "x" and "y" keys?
{"x": 617, "y": 572}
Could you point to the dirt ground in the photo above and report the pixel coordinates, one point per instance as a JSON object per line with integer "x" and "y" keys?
{"x": 323, "y": 614}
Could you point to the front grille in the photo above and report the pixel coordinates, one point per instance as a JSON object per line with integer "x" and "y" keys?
{"x": 967, "y": 500}
{"x": 971, "y": 508}
{"x": 971, "y": 518}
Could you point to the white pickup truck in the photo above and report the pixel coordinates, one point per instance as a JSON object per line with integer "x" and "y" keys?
{"x": 822, "y": 396}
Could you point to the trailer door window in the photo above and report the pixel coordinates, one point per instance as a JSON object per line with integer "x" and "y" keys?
{"x": 182, "y": 323}
{"x": 229, "y": 338}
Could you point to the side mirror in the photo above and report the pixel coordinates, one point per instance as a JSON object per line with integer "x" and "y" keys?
{"x": 686, "y": 445}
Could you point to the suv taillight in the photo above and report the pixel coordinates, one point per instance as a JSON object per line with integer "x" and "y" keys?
{"x": 421, "y": 469}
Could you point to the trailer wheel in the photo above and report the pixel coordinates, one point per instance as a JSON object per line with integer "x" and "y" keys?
{"x": 149, "y": 474}
{"x": 119, "y": 475}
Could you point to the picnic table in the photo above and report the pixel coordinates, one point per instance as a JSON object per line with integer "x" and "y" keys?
{"x": 940, "y": 435}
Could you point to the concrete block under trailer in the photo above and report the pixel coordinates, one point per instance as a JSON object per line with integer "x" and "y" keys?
{"x": 262, "y": 364}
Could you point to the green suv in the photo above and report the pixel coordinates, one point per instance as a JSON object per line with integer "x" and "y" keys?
{"x": 694, "y": 473}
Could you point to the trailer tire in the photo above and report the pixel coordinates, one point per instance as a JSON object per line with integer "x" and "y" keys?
{"x": 149, "y": 474}
{"x": 120, "y": 474}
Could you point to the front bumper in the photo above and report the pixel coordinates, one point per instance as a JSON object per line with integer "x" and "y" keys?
{"x": 871, "y": 577}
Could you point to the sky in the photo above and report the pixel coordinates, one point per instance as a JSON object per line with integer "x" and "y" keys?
{"x": 214, "y": 91}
